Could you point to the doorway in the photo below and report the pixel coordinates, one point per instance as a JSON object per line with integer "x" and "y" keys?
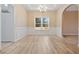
{"x": 70, "y": 24}
{"x": 7, "y": 24}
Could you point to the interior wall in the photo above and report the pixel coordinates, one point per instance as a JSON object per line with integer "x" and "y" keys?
{"x": 0, "y": 26}
{"x": 33, "y": 14}
{"x": 78, "y": 24}
{"x": 78, "y": 19}
{"x": 21, "y": 15}
{"x": 52, "y": 22}
{"x": 20, "y": 21}
{"x": 59, "y": 19}
{"x": 70, "y": 23}
{"x": 7, "y": 23}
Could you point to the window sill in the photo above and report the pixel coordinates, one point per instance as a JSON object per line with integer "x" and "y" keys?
{"x": 41, "y": 28}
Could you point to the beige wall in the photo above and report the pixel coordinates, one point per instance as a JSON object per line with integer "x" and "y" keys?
{"x": 0, "y": 27}
{"x": 78, "y": 24}
{"x": 59, "y": 19}
{"x": 70, "y": 23}
{"x": 20, "y": 15}
{"x": 33, "y": 14}
{"x": 78, "y": 19}
{"x": 20, "y": 21}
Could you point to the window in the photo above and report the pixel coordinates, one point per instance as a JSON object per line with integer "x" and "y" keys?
{"x": 41, "y": 23}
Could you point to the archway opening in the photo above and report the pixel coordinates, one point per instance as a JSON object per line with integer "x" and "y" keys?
{"x": 70, "y": 24}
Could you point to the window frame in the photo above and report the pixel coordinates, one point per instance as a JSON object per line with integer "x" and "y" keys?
{"x": 41, "y": 28}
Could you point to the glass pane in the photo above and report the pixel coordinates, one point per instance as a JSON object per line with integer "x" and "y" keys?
{"x": 45, "y": 20}
{"x": 45, "y": 25}
{"x": 38, "y": 20}
{"x": 38, "y": 25}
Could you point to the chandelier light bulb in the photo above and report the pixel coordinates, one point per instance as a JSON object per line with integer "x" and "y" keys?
{"x": 6, "y": 5}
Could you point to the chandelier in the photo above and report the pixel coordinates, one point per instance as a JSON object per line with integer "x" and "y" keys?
{"x": 42, "y": 8}
{"x": 6, "y": 5}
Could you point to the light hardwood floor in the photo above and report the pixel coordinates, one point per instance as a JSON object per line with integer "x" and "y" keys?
{"x": 35, "y": 44}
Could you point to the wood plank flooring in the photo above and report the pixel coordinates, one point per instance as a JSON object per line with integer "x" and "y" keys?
{"x": 37, "y": 44}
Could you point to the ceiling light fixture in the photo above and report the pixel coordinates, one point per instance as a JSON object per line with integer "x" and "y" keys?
{"x": 6, "y": 5}
{"x": 42, "y": 8}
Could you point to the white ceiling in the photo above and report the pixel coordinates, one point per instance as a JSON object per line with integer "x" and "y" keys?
{"x": 49, "y": 6}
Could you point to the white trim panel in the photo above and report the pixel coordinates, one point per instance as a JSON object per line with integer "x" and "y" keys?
{"x": 20, "y": 32}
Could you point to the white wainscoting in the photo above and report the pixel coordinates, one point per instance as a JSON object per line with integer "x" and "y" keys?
{"x": 32, "y": 31}
{"x": 20, "y": 32}
{"x": 23, "y": 31}
{"x": 58, "y": 31}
